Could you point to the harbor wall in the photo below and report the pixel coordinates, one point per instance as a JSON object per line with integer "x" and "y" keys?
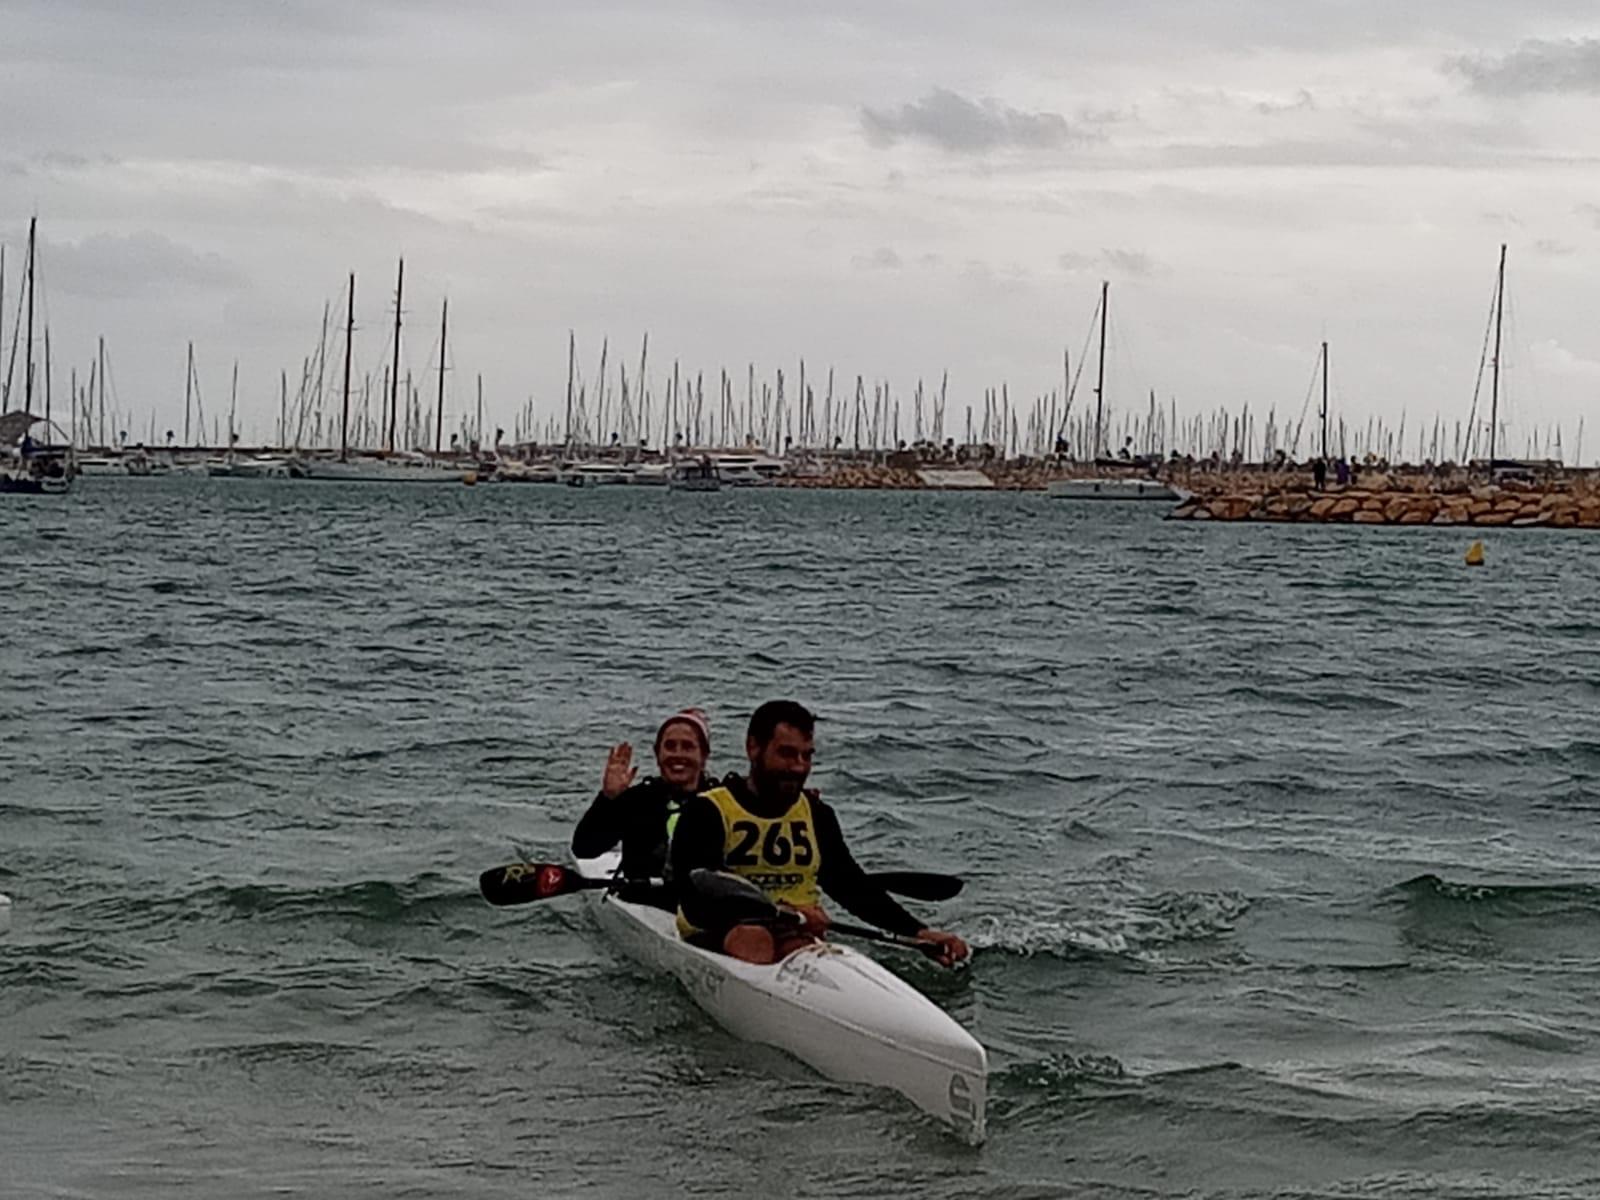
{"x": 1561, "y": 503}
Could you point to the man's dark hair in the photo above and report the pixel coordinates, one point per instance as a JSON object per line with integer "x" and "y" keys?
{"x": 765, "y": 720}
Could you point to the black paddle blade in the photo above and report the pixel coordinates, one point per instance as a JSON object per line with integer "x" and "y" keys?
{"x": 521, "y": 883}
{"x": 919, "y": 885}
{"x": 734, "y": 900}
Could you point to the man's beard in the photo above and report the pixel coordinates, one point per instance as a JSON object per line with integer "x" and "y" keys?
{"x": 778, "y": 785}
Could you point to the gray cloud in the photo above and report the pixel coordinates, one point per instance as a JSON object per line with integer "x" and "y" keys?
{"x": 1129, "y": 262}
{"x": 1533, "y": 68}
{"x": 882, "y": 259}
{"x": 952, "y": 122}
{"x": 1124, "y": 262}
{"x": 116, "y": 265}
{"x": 1303, "y": 101}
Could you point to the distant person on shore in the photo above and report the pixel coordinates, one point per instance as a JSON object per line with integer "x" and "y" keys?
{"x": 1355, "y": 472}
{"x": 1341, "y": 471}
{"x": 1319, "y": 473}
{"x": 641, "y": 815}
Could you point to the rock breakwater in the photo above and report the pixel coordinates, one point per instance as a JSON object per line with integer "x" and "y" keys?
{"x": 1565, "y": 505}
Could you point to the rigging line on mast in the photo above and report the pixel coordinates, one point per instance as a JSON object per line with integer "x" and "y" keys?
{"x": 1483, "y": 359}
{"x": 1311, "y": 388}
{"x": 1083, "y": 357}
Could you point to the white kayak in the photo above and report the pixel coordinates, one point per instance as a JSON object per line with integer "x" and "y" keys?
{"x": 833, "y": 1008}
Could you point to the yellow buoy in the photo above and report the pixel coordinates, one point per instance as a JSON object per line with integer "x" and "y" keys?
{"x": 470, "y": 478}
{"x": 1475, "y": 554}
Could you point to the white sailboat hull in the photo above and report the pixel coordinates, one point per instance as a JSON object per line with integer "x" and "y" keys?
{"x": 375, "y": 471}
{"x": 1114, "y": 489}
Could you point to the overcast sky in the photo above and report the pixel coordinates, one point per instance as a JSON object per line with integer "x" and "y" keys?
{"x": 889, "y": 187}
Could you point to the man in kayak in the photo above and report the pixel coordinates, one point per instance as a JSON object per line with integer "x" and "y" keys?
{"x": 767, "y": 829}
{"x": 640, "y": 815}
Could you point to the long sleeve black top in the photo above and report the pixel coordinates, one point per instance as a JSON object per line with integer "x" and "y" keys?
{"x": 699, "y": 842}
{"x": 636, "y": 817}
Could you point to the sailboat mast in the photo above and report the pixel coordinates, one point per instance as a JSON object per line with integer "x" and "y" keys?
{"x": 572, "y": 353}
{"x": 1324, "y": 402}
{"x": 27, "y": 350}
{"x": 102, "y": 366}
{"x": 188, "y": 392}
{"x": 394, "y": 374}
{"x": 438, "y": 416}
{"x": 1100, "y": 379}
{"x": 1494, "y": 387}
{"x": 349, "y": 337}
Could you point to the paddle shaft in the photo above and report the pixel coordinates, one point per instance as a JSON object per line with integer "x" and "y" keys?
{"x": 521, "y": 883}
{"x": 525, "y": 882}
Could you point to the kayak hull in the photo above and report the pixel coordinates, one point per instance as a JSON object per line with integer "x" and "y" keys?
{"x": 836, "y": 1010}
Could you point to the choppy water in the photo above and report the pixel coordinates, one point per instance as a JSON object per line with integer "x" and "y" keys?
{"x": 1281, "y": 842}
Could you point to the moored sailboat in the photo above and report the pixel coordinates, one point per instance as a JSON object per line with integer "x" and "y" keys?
{"x": 26, "y": 465}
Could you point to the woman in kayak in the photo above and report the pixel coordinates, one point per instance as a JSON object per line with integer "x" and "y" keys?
{"x": 769, "y": 830}
{"x": 640, "y": 815}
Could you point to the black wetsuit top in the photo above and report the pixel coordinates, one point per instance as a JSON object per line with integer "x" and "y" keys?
{"x": 636, "y": 817}
{"x": 699, "y": 842}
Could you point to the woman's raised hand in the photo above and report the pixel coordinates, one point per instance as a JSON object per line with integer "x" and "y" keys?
{"x": 619, "y": 770}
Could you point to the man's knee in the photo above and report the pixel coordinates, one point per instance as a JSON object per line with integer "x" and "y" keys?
{"x": 751, "y": 943}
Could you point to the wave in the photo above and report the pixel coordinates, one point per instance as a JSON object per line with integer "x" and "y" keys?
{"x": 1317, "y": 695}
{"x": 1057, "y": 1073}
{"x": 424, "y": 899}
{"x": 1579, "y": 755}
{"x": 1502, "y": 899}
{"x": 1139, "y": 932}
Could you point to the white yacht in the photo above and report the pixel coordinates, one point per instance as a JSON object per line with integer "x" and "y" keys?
{"x": 1120, "y": 488}
{"x": 593, "y": 474}
{"x": 400, "y": 467}
{"x": 747, "y": 470}
{"x": 696, "y": 475}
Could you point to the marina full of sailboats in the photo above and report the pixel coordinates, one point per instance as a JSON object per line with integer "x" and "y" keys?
{"x": 688, "y": 430}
